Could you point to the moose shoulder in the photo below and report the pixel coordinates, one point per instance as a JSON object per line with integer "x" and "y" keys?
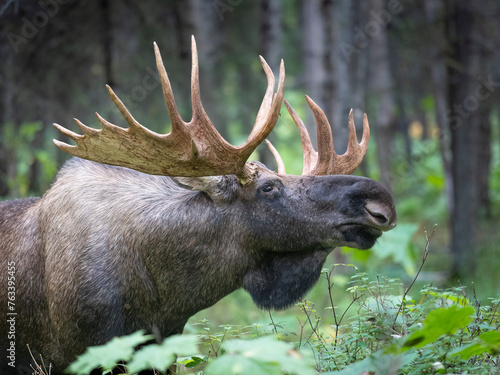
{"x": 153, "y": 228}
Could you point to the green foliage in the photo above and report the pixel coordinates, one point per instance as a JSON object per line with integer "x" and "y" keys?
{"x": 395, "y": 246}
{"x": 439, "y": 322}
{"x": 123, "y": 349}
{"x": 18, "y": 141}
{"x": 392, "y": 334}
{"x": 264, "y": 355}
{"x": 487, "y": 342}
{"x": 419, "y": 184}
{"x": 161, "y": 356}
{"x": 109, "y": 355}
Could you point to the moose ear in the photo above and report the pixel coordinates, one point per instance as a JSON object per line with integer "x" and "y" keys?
{"x": 219, "y": 188}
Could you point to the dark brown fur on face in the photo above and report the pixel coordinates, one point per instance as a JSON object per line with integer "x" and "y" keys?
{"x": 108, "y": 250}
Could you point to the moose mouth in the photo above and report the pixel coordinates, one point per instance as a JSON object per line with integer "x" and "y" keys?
{"x": 363, "y": 235}
{"x": 360, "y": 236}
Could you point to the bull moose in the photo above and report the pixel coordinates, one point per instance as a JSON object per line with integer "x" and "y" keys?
{"x": 142, "y": 230}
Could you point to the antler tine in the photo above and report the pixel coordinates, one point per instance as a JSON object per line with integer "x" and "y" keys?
{"x": 326, "y": 150}
{"x": 201, "y": 126}
{"x": 168, "y": 94}
{"x": 326, "y": 161}
{"x": 269, "y": 110}
{"x": 132, "y": 122}
{"x": 353, "y": 157}
{"x": 277, "y": 157}
{"x": 266, "y": 100}
{"x": 198, "y": 110}
{"x": 309, "y": 154}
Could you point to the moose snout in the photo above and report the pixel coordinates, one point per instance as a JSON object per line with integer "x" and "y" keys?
{"x": 381, "y": 215}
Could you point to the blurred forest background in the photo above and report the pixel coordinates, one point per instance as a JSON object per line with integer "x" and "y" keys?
{"x": 427, "y": 73}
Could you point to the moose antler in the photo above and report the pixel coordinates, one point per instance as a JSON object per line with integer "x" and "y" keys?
{"x": 326, "y": 161}
{"x": 191, "y": 149}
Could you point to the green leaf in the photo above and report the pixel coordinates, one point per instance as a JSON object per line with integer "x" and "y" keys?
{"x": 436, "y": 181}
{"x": 460, "y": 300}
{"x": 489, "y": 343}
{"x": 377, "y": 363}
{"x": 264, "y": 355}
{"x": 491, "y": 338}
{"x": 191, "y": 361}
{"x": 442, "y": 321}
{"x": 240, "y": 365}
{"x": 160, "y": 357}
{"x": 471, "y": 350}
{"x": 108, "y": 356}
{"x": 396, "y": 244}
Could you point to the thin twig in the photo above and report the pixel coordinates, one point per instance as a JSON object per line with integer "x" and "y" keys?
{"x": 272, "y": 322}
{"x": 301, "y": 331}
{"x": 314, "y": 327}
{"x": 426, "y": 252}
{"x": 42, "y": 370}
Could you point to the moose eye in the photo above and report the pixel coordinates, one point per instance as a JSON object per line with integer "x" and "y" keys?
{"x": 267, "y": 189}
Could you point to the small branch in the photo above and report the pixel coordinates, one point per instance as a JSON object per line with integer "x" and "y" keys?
{"x": 301, "y": 331}
{"x": 314, "y": 327}
{"x": 426, "y": 252}
{"x": 272, "y": 323}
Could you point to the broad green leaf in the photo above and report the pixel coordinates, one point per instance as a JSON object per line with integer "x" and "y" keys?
{"x": 241, "y": 365}
{"x": 192, "y": 361}
{"x": 107, "y": 356}
{"x": 377, "y": 363}
{"x": 160, "y": 357}
{"x": 471, "y": 350}
{"x": 271, "y": 356}
{"x": 491, "y": 338}
{"x": 489, "y": 342}
{"x": 396, "y": 244}
{"x": 442, "y": 321}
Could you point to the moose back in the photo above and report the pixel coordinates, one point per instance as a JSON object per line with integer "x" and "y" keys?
{"x": 152, "y": 228}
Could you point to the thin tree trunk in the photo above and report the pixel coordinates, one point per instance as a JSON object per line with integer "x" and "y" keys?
{"x": 201, "y": 21}
{"x": 382, "y": 86}
{"x": 270, "y": 47}
{"x": 335, "y": 85}
{"x": 358, "y": 71}
{"x": 484, "y": 159}
{"x": 8, "y": 163}
{"x": 313, "y": 46}
{"x": 107, "y": 41}
{"x": 435, "y": 15}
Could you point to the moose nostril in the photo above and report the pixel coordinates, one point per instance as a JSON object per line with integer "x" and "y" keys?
{"x": 382, "y": 215}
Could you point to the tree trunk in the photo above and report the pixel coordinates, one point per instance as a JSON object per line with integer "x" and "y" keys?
{"x": 270, "y": 48}
{"x": 335, "y": 85}
{"x": 435, "y": 14}
{"x": 469, "y": 124}
{"x": 382, "y": 87}
{"x": 107, "y": 41}
{"x": 313, "y": 46}
{"x": 358, "y": 64}
{"x": 8, "y": 90}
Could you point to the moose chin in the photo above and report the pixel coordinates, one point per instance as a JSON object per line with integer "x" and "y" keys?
{"x": 142, "y": 230}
